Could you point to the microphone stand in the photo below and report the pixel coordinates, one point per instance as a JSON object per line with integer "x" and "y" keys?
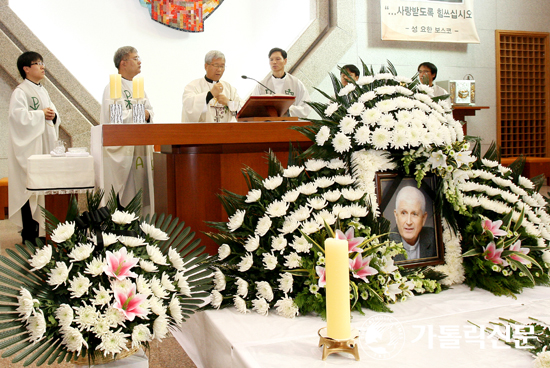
{"x": 267, "y": 88}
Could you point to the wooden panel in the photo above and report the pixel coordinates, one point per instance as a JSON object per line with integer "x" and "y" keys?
{"x": 523, "y": 82}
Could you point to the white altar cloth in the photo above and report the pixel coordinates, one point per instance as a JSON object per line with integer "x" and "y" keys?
{"x": 436, "y": 333}
{"x": 60, "y": 175}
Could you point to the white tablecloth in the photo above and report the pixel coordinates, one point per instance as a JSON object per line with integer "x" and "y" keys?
{"x": 60, "y": 175}
{"x": 433, "y": 331}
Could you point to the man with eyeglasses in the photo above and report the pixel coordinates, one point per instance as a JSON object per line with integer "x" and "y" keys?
{"x": 427, "y": 72}
{"x": 130, "y": 168}
{"x": 33, "y": 128}
{"x": 208, "y": 99}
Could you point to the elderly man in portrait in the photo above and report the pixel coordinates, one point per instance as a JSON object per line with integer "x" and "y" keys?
{"x": 209, "y": 99}
{"x": 410, "y": 216}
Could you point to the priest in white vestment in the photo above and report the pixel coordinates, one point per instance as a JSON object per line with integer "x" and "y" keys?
{"x": 282, "y": 83}
{"x": 427, "y": 72}
{"x": 209, "y": 99}
{"x": 33, "y": 129}
{"x": 128, "y": 169}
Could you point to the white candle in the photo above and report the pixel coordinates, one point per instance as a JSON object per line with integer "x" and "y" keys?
{"x": 137, "y": 88}
{"x": 337, "y": 289}
{"x": 115, "y": 86}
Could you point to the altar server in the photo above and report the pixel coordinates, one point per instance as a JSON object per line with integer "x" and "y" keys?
{"x": 33, "y": 128}
{"x": 281, "y": 82}
{"x": 209, "y": 99}
{"x": 128, "y": 169}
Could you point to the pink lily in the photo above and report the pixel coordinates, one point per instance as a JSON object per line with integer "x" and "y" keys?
{"x": 516, "y": 247}
{"x": 491, "y": 253}
{"x": 322, "y": 278}
{"x": 493, "y": 227}
{"x": 360, "y": 267}
{"x": 129, "y": 303}
{"x": 353, "y": 243}
{"x": 119, "y": 264}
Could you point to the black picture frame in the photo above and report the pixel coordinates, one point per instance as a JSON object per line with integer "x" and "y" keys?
{"x": 388, "y": 185}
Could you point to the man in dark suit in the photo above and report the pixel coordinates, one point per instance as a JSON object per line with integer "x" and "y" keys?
{"x": 410, "y": 216}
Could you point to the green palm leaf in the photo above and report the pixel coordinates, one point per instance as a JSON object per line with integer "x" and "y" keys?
{"x": 53, "y": 345}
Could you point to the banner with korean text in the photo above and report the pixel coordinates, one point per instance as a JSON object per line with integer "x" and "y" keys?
{"x": 429, "y": 20}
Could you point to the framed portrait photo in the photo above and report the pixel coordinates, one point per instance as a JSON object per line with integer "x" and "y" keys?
{"x": 413, "y": 218}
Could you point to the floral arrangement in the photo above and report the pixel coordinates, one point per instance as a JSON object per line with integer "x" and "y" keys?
{"x": 271, "y": 249}
{"x": 107, "y": 282}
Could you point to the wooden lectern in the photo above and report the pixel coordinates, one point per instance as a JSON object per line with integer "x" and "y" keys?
{"x": 197, "y": 160}
{"x": 266, "y": 108}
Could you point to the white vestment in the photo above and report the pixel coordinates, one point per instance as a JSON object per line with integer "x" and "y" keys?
{"x": 288, "y": 85}
{"x": 196, "y": 110}
{"x": 128, "y": 169}
{"x": 29, "y": 134}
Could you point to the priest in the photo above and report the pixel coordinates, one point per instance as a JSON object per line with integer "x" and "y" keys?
{"x": 280, "y": 82}
{"x": 209, "y": 99}
{"x": 130, "y": 168}
{"x": 33, "y": 129}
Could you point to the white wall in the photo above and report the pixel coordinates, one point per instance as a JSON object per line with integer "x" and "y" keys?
{"x": 84, "y": 36}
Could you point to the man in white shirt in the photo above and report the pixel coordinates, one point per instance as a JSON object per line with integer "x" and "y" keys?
{"x": 427, "y": 72}
{"x": 33, "y": 128}
{"x": 128, "y": 169}
{"x": 283, "y": 83}
{"x": 209, "y": 99}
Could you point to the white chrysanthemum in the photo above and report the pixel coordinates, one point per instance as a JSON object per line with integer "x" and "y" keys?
{"x": 155, "y": 254}
{"x": 79, "y": 286}
{"x": 273, "y": 182}
{"x": 26, "y": 303}
{"x": 401, "y": 138}
{"x": 101, "y": 326}
{"x": 293, "y": 260}
{"x": 253, "y": 196}
{"x": 263, "y": 226}
{"x": 289, "y": 225}
{"x": 73, "y": 339}
{"x": 324, "y": 182}
{"x": 347, "y": 89}
{"x": 236, "y": 220}
{"x": 59, "y": 274}
{"x": 300, "y": 244}
{"x": 167, "y": 282}
{"x": 352, "y": 194}
{"x": 358, "y": 211}
{"x": 387, "y": 121}
{"x": 317, "y": 203}
{"x": 261, "y": 305}
{"x": 252, "y": 243}
{"x": 385, "y": 90}
{"x": 219, "y": 280}
{"x": 343, "y": 212}
{"x": 362, "y": 135}
{"x": 291, "y": 196}
{"x": 270, "y": 261}
{"x": 125, "y": 285}
{"x": 307, "y": 188}
{"x": 367, "y": 96}
{"x": 336, "y": 164}
{"x": 278, "y": 243}
{"x": 242, "y": 287}
{"x": 95, "y": 267}
{"x": 386, "y": 105}
{"x": 216, "y": 299}
{"x": 384, "y": 76}
{"x": 341, "y": 143}
{"x": 153, "y": 232}
{"x": 314, "y": 165}
{"x": 102, "y": 296}
{"x": 41, "y": 258}
{"x": 175, "y": 259}
{"x": 322, "y": 135}
{"x": 113, "y": 342}
{"x": 381, "y": 138}
{"x": 344, "y": 179}
{"x": 183, "y": 284}
{"x": 158, "y": 289}
{"x": 108, "y": 239}
{"x": 123, "y": 217}
{"x": 286, "y": 307}
{"x": 64, "y": 314}
{"x": 332, "y": 195}
{"x": 224, "y": 251}
{"x": 366, "y": 79}
{"x": 246, "y": 262}
{"x": 147, "y": 266}
{"x": 526, "y": 183}
{"x": 81, "y": 252}
{"x": 347, "y": 124}
{"x": 302, "y": 213}
{"x": 131, "y": 241}
{"x": 277, "y": 209}
{"x": 371, "y": 116}
{"x": 63, "y": 232}
{"x": 292, "y": 171}
{"x": 115, "y": 316}
{"x": 175, "y": 310}
{"x": 160, "y": 328}
{"x": 141, "y": 334}
{"x": 331, "y": 109}
{"x": 157, "y": 306}
{"x": 85, "y": 317}
{"x": 264, "y": 290}
{"x": 356, "y": 109}
{"x": 240, "y": 304}
{"x": 285, "y": 282}
{"x": 325, "y": 216}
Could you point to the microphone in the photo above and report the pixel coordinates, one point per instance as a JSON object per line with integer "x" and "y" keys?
{"x": 267, "y": 88}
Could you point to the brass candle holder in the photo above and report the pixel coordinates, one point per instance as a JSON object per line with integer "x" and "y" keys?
{"x": 331, "y": 345}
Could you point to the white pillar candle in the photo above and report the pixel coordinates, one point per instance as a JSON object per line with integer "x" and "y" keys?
{"x": 337, "y": 289}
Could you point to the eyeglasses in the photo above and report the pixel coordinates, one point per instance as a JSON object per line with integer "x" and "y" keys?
{"x": 217, "y": 66}
{"x": 137, "y": 58}
{"x": 39, "y": 63}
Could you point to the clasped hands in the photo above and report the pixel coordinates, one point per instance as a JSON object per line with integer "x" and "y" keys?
{"x": 49, "y": 113}
{"x": 216, "y": 91}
